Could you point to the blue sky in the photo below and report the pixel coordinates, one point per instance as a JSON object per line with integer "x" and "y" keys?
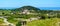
{"x": 36, "y": 3}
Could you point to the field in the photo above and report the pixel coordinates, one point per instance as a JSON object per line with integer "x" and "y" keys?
{"x": 46, "y": 22}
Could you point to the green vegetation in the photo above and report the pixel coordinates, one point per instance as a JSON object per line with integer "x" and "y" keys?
{"x": 46, "y": 22}
{"x": 18, "y": 24}
{"x": 1, "y": 20}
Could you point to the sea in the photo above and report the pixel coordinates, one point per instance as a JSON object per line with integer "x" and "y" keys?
{"x": 41, "y": 8}
{"x": 49, "y": 8}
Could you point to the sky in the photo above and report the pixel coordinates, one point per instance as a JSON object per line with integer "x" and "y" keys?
{"x": 35, "y": 3}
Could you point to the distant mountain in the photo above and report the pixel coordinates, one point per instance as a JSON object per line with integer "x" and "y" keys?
{"x": 29, "y": 8}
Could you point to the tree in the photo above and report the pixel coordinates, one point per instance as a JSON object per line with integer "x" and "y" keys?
{"x": 18, "y": 24}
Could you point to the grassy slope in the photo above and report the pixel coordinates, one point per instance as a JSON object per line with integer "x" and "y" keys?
{"x": 46, "y": 22}
{"x": 1, "y": 20}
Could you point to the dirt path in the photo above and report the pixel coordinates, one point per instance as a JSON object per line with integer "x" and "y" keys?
{"x": 6, "y": 22}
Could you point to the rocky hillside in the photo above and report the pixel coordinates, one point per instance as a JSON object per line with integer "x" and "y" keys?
{"x": 29, "y": 8}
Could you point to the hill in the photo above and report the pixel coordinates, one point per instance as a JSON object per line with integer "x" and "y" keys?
{"x": 29, "y": 8}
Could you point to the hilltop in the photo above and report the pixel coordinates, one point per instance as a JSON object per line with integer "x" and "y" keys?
{"x": 29, "y": 8}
